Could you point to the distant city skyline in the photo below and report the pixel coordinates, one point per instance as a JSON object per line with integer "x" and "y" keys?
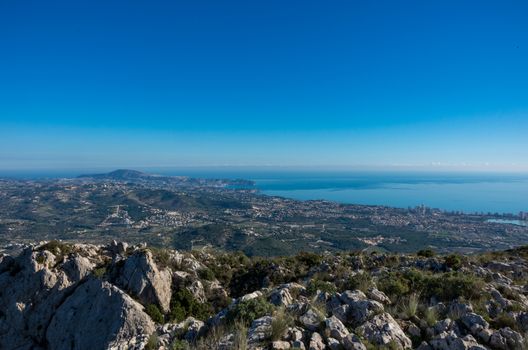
{"x": 437, "y": 85}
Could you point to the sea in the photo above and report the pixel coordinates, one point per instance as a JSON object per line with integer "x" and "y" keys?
{"x": 450, "y": 191}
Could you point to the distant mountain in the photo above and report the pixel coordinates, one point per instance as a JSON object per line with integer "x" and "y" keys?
{"x": 120, "y": 174}
{"x": 127, "y": 175}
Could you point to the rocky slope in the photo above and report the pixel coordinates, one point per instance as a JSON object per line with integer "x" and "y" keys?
{"x": 63, "y": 296}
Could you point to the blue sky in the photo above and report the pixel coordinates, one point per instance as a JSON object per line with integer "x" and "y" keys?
{"x": 301, "y": 83}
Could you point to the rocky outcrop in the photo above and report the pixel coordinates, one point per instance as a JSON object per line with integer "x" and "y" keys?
{"x": 384, "y": 330}
{"x": 98, "y": 315}
{"x": 142, "y": 278}
{"x": 79, "y": 296}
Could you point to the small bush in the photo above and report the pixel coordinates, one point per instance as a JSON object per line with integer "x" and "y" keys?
{"x": 444, "y": 287}
{"x": 504, "y": 320}
{"x": 431, "y": 316}
{"x": 426, "y": 253}
{"x": 240, "y": 341}
{"x": 152, "y": 343}
{"x": 409, "y": 306}
{"x": 317, "y": 285}
{"x": 246, "y": 311}
{"x": 309, "y": 259}
{"x": 179, "y": 345}
{"x": 184, "y": 304}
{"x": 99, "y": 272}
{"x": 453, "y": 261}
{"x": 206, "y": 274}
{"x": 280, "y": 323}
{"x": 394, "y": 285}
{"x": 154, "y": 312}
{"x": 361, "y": 281}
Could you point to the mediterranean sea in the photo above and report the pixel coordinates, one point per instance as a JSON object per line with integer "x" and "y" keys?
{"x": 465, "y": 192}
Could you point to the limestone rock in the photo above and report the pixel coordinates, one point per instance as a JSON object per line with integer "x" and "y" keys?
{"x": 352, "y": 342}
{"x": 335, "y": 328}
{"x": 311, "y": 320}
{"x": 260, "y": 330}
{"x": 98, "y": 315}
{"x": 141, "y": 277}
{"x": 316, "y": 342}
{"x": 382, "y": 329}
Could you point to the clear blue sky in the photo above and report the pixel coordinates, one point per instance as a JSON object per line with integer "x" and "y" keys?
{"x": 341, "y": 83}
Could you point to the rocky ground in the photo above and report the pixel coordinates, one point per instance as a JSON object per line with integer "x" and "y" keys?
{"x": 78, "y": 296}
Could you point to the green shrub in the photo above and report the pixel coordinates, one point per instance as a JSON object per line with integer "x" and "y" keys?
{"x": 426, "y": 253}
{"x": 248, "y": 310}
{"x": 309, "y": 259}
{"x": 179, "y": 345}
{"x": 184, "y": 304}
{"x": 280, "y": 323}
{"x": 57, "y": 247}
{"x": 206, "y": 274}
{"x": 453, "y": 261}
{"x": 431, "y": 316}
{"x": 152, "y": 343}
{"x": 504, "y": 320}
{"x": 393, "y": 284}
{"x": 444, "y": 286}
{"x": 409, "y": 306}
{"x": 99, "y": 272}
{"x": 154, "y": 312}
{"x": 317, "y": 285}
{"x": 360, "y": 281}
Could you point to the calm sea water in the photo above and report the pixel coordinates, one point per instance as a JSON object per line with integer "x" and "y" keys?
{"x": 496, "y": 193}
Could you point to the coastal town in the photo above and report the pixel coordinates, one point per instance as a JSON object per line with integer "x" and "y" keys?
{"x": 215, "y": 213}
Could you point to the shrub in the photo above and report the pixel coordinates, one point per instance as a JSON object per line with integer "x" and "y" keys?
{"x": 444, "y": 287}
{"x": 206, "y": 274}
{"x": 393, "y": 284}
{"x": 184, "y": 304}
{"x": 240, "y": 341}
{"x": 361, "y": 281}
{"x": 431, "y": 316}
{"x": 317, "y": 285}
{"x": 426, "y": 253}
{"x": 280, "y": 323}
{"x": 309, "y": 259}
{"x": 179, "y": 345}
{"x": 99, "y": 272}
{"x": 154, "y": 312}
{"x": 246, "y": 311}
{"x": 504, "y": 320}
{"x": 453, "y": 261}
{"x": 57, "y": 248}
{"x": 409, "y": 306}
{"x": 152, "y": 343}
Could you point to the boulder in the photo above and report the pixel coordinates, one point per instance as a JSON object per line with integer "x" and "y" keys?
{"x": 140, "y": 276}
{"x": 280, "y": 345}
{"x": 316, "y": 342}
{"x": 98, "y": 315}
{"x": 379, "y": 296}
{"x": 352, "y": 342}
{"x": 382, "y": 329}
{"x": 335, "y": 328}
{"x": 281, "y": 297}
{"x": 195, "y": 328}
{"x": 474, "y": 323}
{"x": 506, "y": 338}
{"x": 260, "y": 330}
{"x": 311, "y": 320}
{"x": 450, "y": 341}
